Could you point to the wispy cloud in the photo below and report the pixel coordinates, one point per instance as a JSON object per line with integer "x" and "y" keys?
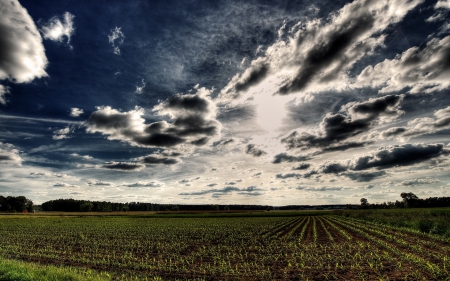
{"x": 116, "y": 38}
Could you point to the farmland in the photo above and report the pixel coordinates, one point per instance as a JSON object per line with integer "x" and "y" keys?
{"x": 296, "y": 246}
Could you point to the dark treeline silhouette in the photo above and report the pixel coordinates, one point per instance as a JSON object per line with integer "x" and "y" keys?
{"x": 21, "y": 203}
{"x": 15, "y": 204}
{"x": 410, "y": 200}
{"x": 72, "y": 205}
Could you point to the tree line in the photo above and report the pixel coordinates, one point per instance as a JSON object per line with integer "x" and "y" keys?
{"x": 72, "y": 205}
{"x": 21, "y": 204}
{"x": 409, "y": 200}
{"x": 15, "y": 204}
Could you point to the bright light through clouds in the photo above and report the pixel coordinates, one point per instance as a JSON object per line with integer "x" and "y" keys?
{"x": 236, "y": 103}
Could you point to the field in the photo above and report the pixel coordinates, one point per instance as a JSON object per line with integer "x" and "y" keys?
{"x": 284, "y": 246}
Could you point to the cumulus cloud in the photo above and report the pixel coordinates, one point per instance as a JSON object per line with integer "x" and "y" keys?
{"x": 353, "y": 119}
{"x": 116, "y": 39}
{"x": 124, "y": 166}
{"x": 415, "y": 182}
{"x": 301, "y": 166}
{"x": 252, "y": 76}
{"x": 56, "y": 29}
{"x": 75, "y": 112}
{"x": 145, "y": 184}
{"x": 422, "y": 71}
{"x": 193, "y": 123}
{"x": 444, "y": 4}
{"x": 22, "y": 56}
{"x": 397, "y": 155}
{"x": 253, "y": 150}
{"x": 251, "y": 191}
{"x": 383, "y": 158}
{"x": 288, "y": 175}
{"x": 8, "y": 154}
{"x": 225, "y": 142}
{"x": 155, "y": 159}
{"x": 320, "y": 53}
{"x": 284, "y": 157}
{"x": 421, "y": 126}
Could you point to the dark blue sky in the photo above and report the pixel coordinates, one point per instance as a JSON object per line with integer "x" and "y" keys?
{"x": 224, "y": 101}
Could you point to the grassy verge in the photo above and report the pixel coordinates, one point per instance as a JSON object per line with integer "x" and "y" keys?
{"x": 12, "y": 270}
{"x": 427, "y": 220}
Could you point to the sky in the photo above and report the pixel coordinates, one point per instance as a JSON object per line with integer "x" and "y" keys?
{"x": 225, "y": 101}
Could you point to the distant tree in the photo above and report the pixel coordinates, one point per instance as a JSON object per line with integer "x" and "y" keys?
{"x": 364, "y": 202}
{"x": 29, "y": 206}
{"x": 15, "y": 204}
{"x": 86, "y": 207}
{"x": 408, "y": 195}
{"x": 399, "y": 204}
{"x": 410, "y": 200}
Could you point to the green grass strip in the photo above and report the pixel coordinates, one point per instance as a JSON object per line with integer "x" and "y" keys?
{"x": 13, "y": 270}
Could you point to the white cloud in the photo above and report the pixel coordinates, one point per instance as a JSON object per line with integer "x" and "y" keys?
{"x": 8, "y": 154}
{"x": 338, "y": 131}
{"x": 61, "y": 134}
{"x": 3, "y": 91}
{"x": 56, "y": 30}
{"x": 99, "y": 183}
{"x": 193, "y": 123}
{"x": 445, "y": 4}
{"x": 116, "y": 39}
{"x": 75, "y": 112}
{"x": 81, "y": 156}
{"x": 22, "y": 56}
{"x": 318, "y": 56}
{"x": 423, "y": 71}
{"x": 420, "y": 126}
